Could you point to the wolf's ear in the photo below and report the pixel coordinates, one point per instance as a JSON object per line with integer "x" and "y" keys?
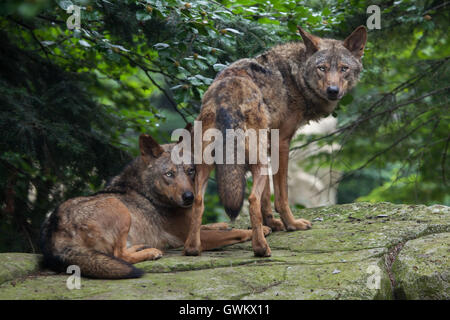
{"x": 188, "y": 128}
{"x": 356, "y": 42}
{"x": 149, "y": 146}
{"x": 311, "y": 42}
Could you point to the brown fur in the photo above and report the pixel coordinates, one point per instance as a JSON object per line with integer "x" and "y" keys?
{"x": 283, "y": 88}
{"x": 140, "y": 213}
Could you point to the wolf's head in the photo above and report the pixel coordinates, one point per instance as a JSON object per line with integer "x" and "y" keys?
{"x": 333, "y": 66}
{"x": 163, "y": 181}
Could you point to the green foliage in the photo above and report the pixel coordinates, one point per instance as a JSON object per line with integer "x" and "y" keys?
{"x": 394, "y": 127}
{"x": 404, "y": 97}
{"x": 73, "y": 102}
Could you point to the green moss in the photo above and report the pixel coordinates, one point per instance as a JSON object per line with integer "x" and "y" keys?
{"x": 422, "y": 269}
{"x": 345, "y": 280}
{"x": 330, "y": 261}
{"x": 173, "y": 261}
{"x": 16, "y": 265}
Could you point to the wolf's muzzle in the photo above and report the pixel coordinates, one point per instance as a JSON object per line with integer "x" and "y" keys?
{"x": 332, "y": 92}
{"x": 188, "y": 198}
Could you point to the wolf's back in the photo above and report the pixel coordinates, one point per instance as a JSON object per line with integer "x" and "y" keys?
{"x": 92, "y": 263}
{"x": 230, "y": 177}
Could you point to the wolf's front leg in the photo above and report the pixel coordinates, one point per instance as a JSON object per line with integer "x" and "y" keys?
{"x": 216, "y": 226}
{"x": 281, "y": 193}
{"x": 192, "y": 245}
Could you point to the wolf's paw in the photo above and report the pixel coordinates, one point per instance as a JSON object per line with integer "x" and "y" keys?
{"x": 262, "y": 250}
{"x": 299, "y": 224}
{"x": 267, "y": 230}
{"x": 153, "y": 253}
{"x": 192, "y": 251}
{"x": 260, "y": 246}
{"x": 275, "y": 225}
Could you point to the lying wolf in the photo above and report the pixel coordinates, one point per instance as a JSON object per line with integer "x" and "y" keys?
{"x": 143, "y": 210}
{"x": 283, "y": 88}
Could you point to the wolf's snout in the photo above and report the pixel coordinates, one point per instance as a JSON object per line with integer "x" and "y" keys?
{"x": 188, "y": 198}
{"x": 332, "y": 92}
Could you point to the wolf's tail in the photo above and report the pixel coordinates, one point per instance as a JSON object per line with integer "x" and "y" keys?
{"x": 95, "y": 264}
{"x": 92, "y": 263}
{"x": 230, "y": 177}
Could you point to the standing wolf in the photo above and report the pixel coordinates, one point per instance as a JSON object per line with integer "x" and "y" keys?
{"x": 282, "y": 88}
{"x": 143, "y": 210}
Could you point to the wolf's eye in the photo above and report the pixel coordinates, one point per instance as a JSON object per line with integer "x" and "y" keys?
{"x": 321, "y": 68}
{"x": 169, "y": 174}
{"x": 191, "y": 171}
{"x": 344, "y": 69}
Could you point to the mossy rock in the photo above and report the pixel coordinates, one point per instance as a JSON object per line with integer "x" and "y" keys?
{"x": 344, "y": 256}
{"x": 422, "y": 268}
{"x": 15, "y": 265}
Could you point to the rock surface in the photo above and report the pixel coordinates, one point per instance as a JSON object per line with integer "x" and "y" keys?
{"x": 354, "y": 251}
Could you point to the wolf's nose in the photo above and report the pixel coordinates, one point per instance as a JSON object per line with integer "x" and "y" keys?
{"x": 333, "y": 90}
{"x": 188, "y": 197}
